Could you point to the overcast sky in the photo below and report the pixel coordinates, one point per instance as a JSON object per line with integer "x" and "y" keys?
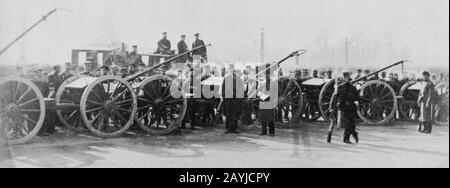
{"x": 379, "y": 32}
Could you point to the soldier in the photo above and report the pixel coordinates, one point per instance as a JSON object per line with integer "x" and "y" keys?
{"x": 232, "y": 88}
{"x": 55, "y": 79}
{"x": 134, "y": 58}
{"x": 383, "y": 76}
{"x": 163, "y": 45}
{"x": 315, "y": 73}
{"x": 426, "y": 100}
{"x": 359, "y": 75}
{"x": 347, "y": 96}
{"x": 88, "y": 68}
{"x": 199, "y": 52}
{"x": 182, "y": 48}
{"x": 267, "y": 116}
{"x": 68, "y": 71}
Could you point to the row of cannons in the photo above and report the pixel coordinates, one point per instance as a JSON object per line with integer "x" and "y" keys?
{"x": 107, "y": 106}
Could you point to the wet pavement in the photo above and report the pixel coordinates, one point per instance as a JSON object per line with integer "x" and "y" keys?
{"x": 397, "y": 145}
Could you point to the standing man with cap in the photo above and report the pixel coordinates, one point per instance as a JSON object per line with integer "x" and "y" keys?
{"x": 182, "y": 48}
{"x": 347, "y": 96}
{"x": 426, "y": 100}
{"x": 202, "y": 51}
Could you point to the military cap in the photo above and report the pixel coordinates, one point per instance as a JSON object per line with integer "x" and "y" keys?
{"x": 164, "y": 33}
{"x": 183, "y": 35}
{"x": 426, "y": 73}
{"x": 197, "y": 34}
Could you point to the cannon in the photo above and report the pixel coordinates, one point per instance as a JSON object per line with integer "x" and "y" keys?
{"x": 106, "y": 106}
{"x": 290, "y": 100}
{"x": 379, "y": 100}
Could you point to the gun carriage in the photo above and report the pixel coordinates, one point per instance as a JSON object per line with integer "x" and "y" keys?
{"x": 107, "y": 106}
{"x": 379, "y": 100}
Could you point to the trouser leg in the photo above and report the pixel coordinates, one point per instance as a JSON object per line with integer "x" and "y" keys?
{"x": 271, "y": 128}
{"x": 264, "y": 128}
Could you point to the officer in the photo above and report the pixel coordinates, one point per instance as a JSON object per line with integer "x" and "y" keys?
{"x": 359, "y": 75}
{"x": 347, "y": 96}
{"x": 182, "y": 48}
{"x": 232, "y": 93}
{"x": 199, "y": 52}
{"x": 427, "y": 98}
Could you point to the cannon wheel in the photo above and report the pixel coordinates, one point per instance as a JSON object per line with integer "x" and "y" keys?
{"x": 22, "y": 109}
{"x": 442, "y": 109}
{"x": 378, "y": 102}
{"x": 325, "y": 99}
{"x": 290, "y": 102}
{"x": 408, "y": 107}
{"x": 157, "y": 105}
{"x": 70, "y": 118}
{"x": 108, "y": 106}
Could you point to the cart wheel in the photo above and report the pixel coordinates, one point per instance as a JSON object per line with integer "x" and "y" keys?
{"x": 378, "y": 102}
{"x": 290, "y": 102}
{"x": 108, "y": 106}
{"x": 22, "y": 109}
{"x": 408, "y": 107}
{"x": 325, "y": 99}
{"x": 441, "y": 109}
{"x": 159, "y": 112}
{"x": 71, "y": 117}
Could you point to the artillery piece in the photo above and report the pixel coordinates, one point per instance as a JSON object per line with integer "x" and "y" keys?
{"x": 379, "y": 101}
{"x": 107, "y": 106}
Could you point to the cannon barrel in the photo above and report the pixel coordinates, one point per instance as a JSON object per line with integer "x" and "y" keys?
{"x": 295, "y": 53}
{"x": 27, "y": 31}
{"x": 137, "y": 75}
{"x": 378, "y": 71}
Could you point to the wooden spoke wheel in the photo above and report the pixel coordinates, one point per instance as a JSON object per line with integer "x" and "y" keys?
{"x": 441, "y": 108}
{"x": 69, "y": 117}
{"x": 408, "y": 107}
{"x": 290, "y": 102}
{"x": 204, "y": 111}
{"x": 108, "y": 106}
{"x": 159, "y": 110}
{"x": 378, "y": 102}
{"x": 325, "y": 96}
{"x": 22, "y": 109}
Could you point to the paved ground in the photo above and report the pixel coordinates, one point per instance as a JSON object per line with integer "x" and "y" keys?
{"x": 388, "y": 146}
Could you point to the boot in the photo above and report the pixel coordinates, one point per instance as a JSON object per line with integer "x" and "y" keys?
{"x": 329, "y": 137}
{"x": 419, "y": 127}
{"x": 356, "y": 137}
{"x": 427, "y": 128}
{"x": 347, "y": 139}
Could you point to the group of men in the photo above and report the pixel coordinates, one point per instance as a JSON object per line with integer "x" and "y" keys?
{"x": 165, "y": 48}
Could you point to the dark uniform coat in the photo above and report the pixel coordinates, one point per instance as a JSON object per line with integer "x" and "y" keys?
{"x": 182, "y": 48}
{"x": 346, "y": 97}
{"x": 163, "y": 46}
{"x": 202, "y": 51}
{"x": 425, "y": 102}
